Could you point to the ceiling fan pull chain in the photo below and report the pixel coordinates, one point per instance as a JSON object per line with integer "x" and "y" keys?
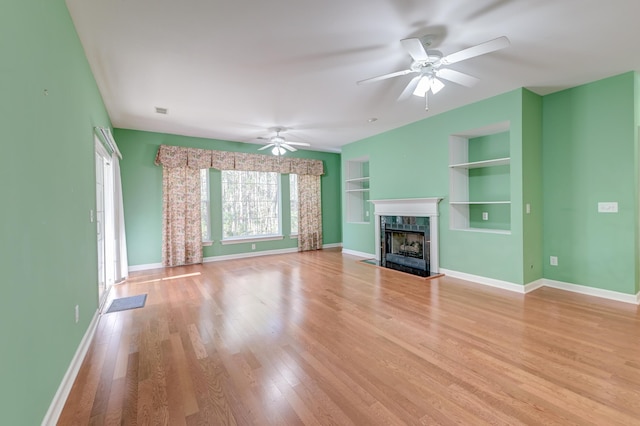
{"x": 426, "y": 101}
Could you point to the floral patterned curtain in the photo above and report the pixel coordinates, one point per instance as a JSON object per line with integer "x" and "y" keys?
{"x": 181, "y": 232}
{"x": 224, "y": 160}
{"x": 309, "y": 213}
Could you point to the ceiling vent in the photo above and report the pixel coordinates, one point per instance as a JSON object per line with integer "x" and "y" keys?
{"x": 161, "y": 110}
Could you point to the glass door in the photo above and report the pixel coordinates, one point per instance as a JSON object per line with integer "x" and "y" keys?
{"x": 104, "y": 221}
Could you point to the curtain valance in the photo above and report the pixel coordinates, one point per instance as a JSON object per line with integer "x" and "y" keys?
{"x": 178, "y": 156}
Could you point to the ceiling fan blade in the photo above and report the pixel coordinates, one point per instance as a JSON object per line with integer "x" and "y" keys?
{"x": 408, "y": 91}
{"x": 298, "y": 143}
{"x": 414, "y": 47}
{"x": 385, "y": 76}
{"x": 286, "y": 146}
{"x": 267, "y": 146}
{"x": 457, "y": 77}
{"x": 480, "y": 49}
{"x": 263, "y": 138}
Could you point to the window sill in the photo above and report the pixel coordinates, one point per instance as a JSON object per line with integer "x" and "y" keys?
{"x": 293, "y": 236}
{"x": 240, "y": 240}
{"x": 207, "y": 243}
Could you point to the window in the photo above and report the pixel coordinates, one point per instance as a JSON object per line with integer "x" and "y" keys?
{"x": 293, "y": 201}
{"x": 205, "y": 204}
{"x": 250, "y": 204}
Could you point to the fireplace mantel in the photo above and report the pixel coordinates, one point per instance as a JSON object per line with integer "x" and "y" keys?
{"x": 418, "y": 207}
{"x": 422, "y": 207}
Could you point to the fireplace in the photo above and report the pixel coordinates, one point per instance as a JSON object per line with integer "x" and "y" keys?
{"x": 407, "y": 235}
{"x": 405, "y": 244}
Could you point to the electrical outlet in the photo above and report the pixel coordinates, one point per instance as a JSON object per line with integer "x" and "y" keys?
{"x": 528, "y": 208}
{"x": 607, "y": 207}
{"x": 91, "y": 215}
{"x": 253, "y": 246}
{"x": 77, "y": 313}
{"x": 553, "y": 260}
{"x": 485, "y": 215}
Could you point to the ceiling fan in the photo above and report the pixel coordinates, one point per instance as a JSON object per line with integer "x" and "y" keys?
{"x": 279, "y": 143}
{"x": 430, "y": 65}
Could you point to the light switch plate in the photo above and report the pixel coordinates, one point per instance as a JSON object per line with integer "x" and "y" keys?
{"x": 608, "y": 207}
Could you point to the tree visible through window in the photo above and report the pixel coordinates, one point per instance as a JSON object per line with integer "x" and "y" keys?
{"x": 293, "y": 201}
{"x": 250, "y": 204}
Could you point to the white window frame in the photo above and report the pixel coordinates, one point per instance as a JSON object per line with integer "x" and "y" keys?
{"x": 249, "y": 238}
{"x": 205, "y": 205}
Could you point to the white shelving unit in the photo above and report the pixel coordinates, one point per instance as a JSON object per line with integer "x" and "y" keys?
{"x": 357, "y": 190}
{"x": 467, "y": 200}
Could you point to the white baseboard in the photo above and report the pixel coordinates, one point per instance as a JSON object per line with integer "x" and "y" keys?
{"x": 592, "y": 291}
{"x": 249, "y": 254}
{"x": 534, "y": 285}
{"x": 59, "y": 399}
{"x": 146, "y": 267}
{"x": 358, "y": 253}
{"x": 492, "y": 282}
{"x": 544, "y": 282}
{"x": 136, "y": 268}
{"x": 333, "y": 245}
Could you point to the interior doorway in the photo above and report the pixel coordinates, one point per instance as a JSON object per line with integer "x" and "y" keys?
{"x": 105, "y": 213}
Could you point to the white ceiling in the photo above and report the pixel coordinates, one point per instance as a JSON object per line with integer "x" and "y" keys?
{"x": 231, "y": 69}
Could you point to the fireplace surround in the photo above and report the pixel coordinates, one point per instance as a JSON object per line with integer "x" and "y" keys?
{"x": 407, "y": 235}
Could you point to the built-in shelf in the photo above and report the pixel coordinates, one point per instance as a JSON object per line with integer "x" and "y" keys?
{"x": 479, "y": 202}
{"x": 356, "y": 188}
{"x": 488, "y": 231}
{"x": 480, "y": 180}
{"x": 486, "y": 163}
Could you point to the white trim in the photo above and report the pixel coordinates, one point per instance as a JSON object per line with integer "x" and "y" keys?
{"x": 492, "y": 282}
{"x": 544, "y": 282}
{"x": 249, "y": 254}
{"x": 136, "y": 268}
{"x": 592, "y": 291}
{"x": 105, "y": 132}
{"x": 418, "y": 207}
{"x": 240, "y": 240}
{"x": 332, "y": 245}
{"x": 59, "y": 399}
{"x": 358, "y": 253}
{"x": 407, "y": 206}
{"x": 534, "y": 285}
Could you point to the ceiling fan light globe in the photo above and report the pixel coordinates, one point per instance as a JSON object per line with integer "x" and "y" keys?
{"x": 436, "y": 85}
{"x": 423, "y": 86}
{"x": 278, "y": 150}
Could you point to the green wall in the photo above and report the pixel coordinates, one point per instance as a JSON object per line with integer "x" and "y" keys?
{"x": 532, "y": 194}
{"x": 47, "y": 184}
{"x": 412, "y": 162}
{"x": 589, "y": 156}
{"x": 569, "y": 151}
{"x": 142, "y": 192}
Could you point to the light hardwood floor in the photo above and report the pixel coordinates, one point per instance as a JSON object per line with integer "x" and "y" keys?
{"x": 318, "y": 338}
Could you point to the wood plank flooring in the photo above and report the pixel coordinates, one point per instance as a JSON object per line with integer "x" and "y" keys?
{"x": 318, "y": 338}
